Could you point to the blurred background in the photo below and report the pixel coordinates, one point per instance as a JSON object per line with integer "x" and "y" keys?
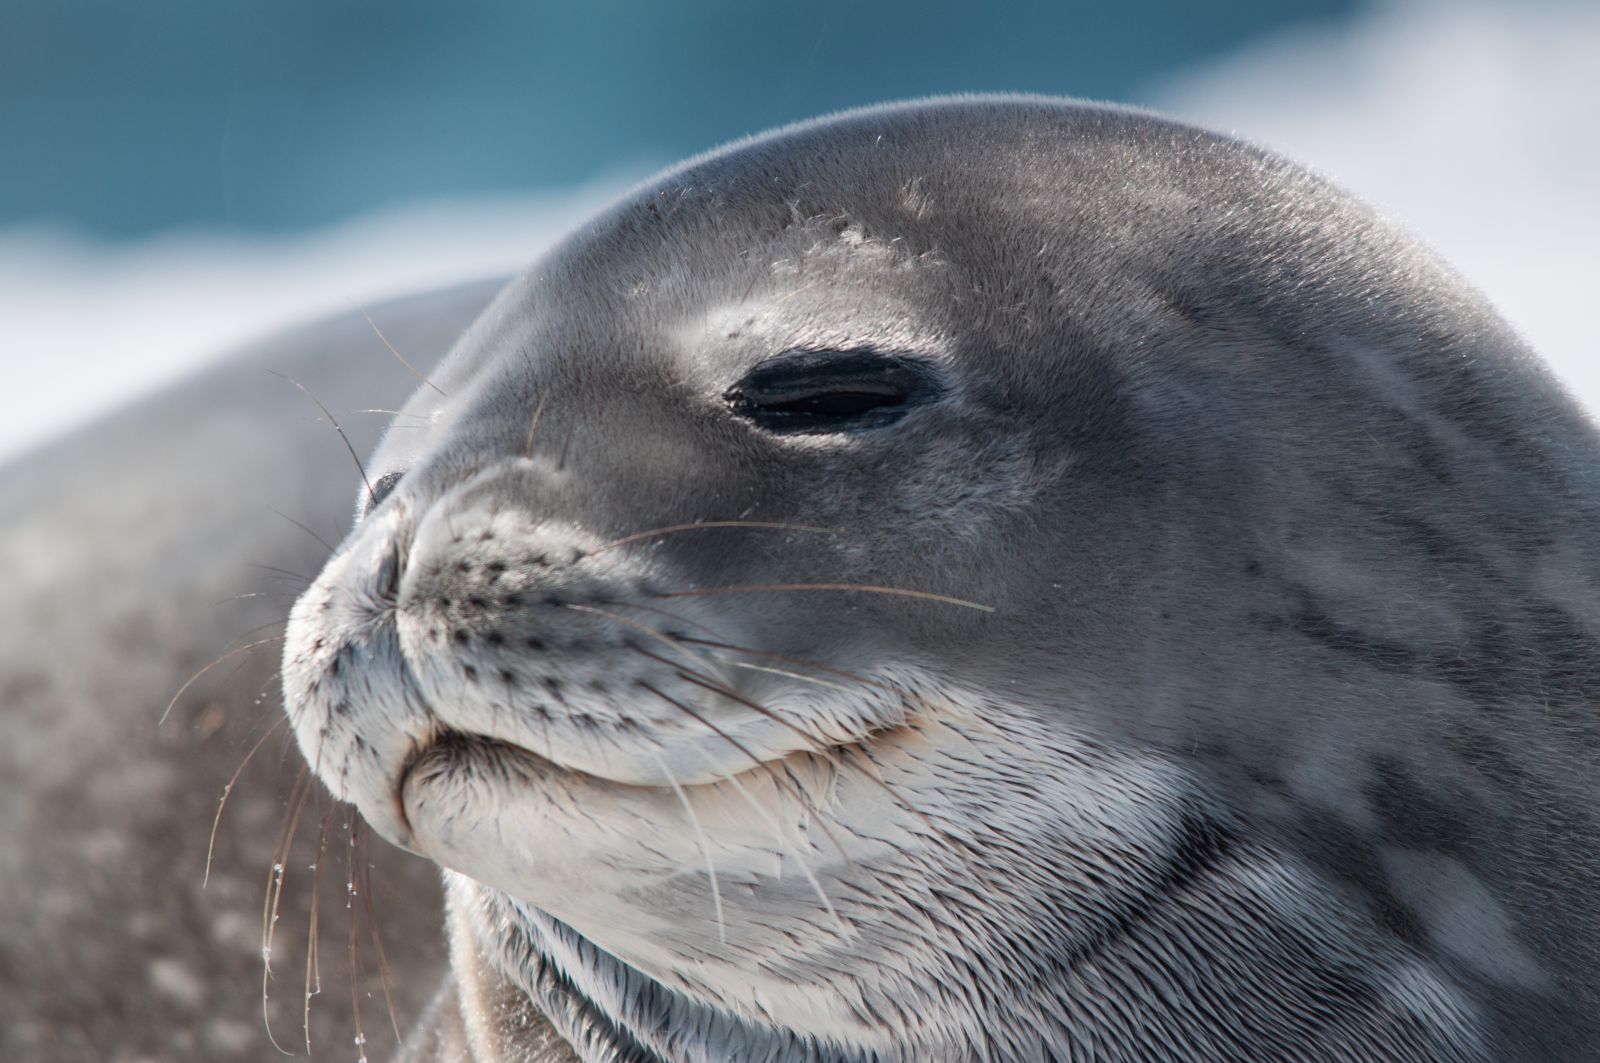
{"x": 180, "y": 175}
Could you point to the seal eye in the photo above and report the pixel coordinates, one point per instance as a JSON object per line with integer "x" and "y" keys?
{"x": 381, "y": 489}
{"x": 812, "y": 392}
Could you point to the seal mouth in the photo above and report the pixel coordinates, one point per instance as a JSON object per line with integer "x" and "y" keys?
{"x": 448, "y": 754}
{"x": 450, "y": 747}
{"x": 449, "y": 750}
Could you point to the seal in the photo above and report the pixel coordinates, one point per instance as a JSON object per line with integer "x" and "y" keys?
{"x": 135, "y": 553}
{"x": 982, "y": 579}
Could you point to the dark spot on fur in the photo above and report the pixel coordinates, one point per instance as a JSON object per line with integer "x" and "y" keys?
{"x": 461, "y": 636}
{"x": 463, "y": 566}
{"x": 1267, "y": 781}
{"x": 1252, "y": 567}
{"x": 1418, "y": 816}
{"x": 471, "y": 672}
{"x": 1200, "y": 846}
{"x": 511, "y": 601}
{"x": 1490, "y": 755}
{"x": 495, "y": 568}
{"x": 495, "y": 638}
{"x": 477, "y": 603}
{"x": 534, "y": 643}
{"x": 507, "y": 677}
{"x": 1348, "y": 857}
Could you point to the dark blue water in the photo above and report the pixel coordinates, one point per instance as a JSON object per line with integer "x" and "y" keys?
{"x": 129, "y": 116}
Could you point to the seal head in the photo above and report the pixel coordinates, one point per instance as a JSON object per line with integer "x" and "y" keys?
{"x": 986, "y": 579}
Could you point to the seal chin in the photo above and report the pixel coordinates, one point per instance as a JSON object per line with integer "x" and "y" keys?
{"x": 538, "y": 831}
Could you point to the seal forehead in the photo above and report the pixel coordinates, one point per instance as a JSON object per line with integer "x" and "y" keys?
{"x": 1017, "y": 224}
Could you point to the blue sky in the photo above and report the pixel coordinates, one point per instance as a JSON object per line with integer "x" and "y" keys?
{"x": 125, "y": 119}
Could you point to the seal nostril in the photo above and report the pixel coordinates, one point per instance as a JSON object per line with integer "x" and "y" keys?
{"x": 382, "y": 488}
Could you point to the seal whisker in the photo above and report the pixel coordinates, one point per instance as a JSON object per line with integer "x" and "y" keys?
{"x": 414, "y": 370}
{"x": 420, "y": 418}
{"x": 299, "y": 796}
{"x": 674, "y": 529}
{"x": 282, "y": 572}
{"x": 561, "y": 462}
{"x": 705, "y": 846}
{"x": 337, "y": 427}
{"x": 678, "y": 618}
{"x": 713, "y": 684}
{"x": 839, "y": 750}
{"x": 720, "y": 687}
{"x": 801, "y": 677}
{"x": 866, "y": 588}
{"x": 247, "y": 632}
{"x": 644, "y": 629}
{"x": 813, "y": 745}
{"x": 794, "y": 783}
{"x": 805, "y": 662}
{"x": 353, "y": 957}
{"x": 241, "y": 597}
{"x": 783, "y": 840}
{"x": 222, "y": 802}
{"x": 533, "y": 427}
{"x": 385, "y": 979}
{"x": 313, "y": 983}
{"x": 196, "y": 677}
{"x": 320, "y": 540}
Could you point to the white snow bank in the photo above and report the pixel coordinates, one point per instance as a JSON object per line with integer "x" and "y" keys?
{"x": 1476, "y": 125}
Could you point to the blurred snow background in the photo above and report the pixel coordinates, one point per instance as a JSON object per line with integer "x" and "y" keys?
{"x": 1477, "y": 124}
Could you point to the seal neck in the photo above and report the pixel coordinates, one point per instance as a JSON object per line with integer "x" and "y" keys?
{"x": 607, "y": 1010}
